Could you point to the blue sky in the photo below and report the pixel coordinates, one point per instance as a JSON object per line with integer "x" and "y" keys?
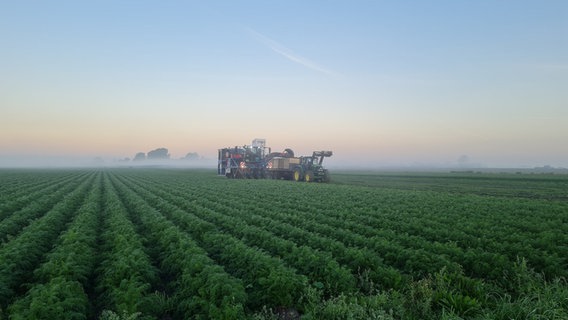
{"x": 379, "y": 82}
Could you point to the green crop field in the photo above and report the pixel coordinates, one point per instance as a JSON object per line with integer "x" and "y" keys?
{"x": 137, "y": 243}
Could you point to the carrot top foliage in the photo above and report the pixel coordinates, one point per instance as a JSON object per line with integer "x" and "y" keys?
{"x": 185, "y": 244}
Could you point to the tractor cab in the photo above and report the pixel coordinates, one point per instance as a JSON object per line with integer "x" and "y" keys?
{"x": 307, "y": 161}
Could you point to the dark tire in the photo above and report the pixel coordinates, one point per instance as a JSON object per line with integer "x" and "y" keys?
{"x": 309, "y": 177}
{"x": 326, "y": 177}
{"x": 297, "y": 175}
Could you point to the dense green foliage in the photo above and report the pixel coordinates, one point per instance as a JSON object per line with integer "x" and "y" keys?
{"x": 185, "y": 244}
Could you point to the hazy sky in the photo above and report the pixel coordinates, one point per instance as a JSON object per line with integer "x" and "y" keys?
{"x": 377, "y": 82}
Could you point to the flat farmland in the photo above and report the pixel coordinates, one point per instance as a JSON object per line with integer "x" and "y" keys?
{"x": 152, "y": 243}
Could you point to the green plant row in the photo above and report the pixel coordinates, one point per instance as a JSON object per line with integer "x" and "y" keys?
{"x": 424, "y": 216}
{"x": 390, "y": 253}
{"x": 304, "y": 228}
{"x": 125, "y": 275}
{"x": 399, "y": 226}
{"x": 320, "y": 267}
{"x": 42, "y": 203}
{"x": 30, "y": 188}
{"x": 360, "y": 260}
{"x": 500, "y": 241}
{"x": 268, "y": 282}
{"x": 17, "y": 182}
{"x": 185, "y": 244}
{"x": 201, "y": 288}
{"x": 61, "y": 283}
{"x": 21, "y": 256}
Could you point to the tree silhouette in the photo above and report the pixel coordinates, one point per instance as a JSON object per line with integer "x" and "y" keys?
{"x": 191, "y": 156}
{"x": 140, "y": 156}
{"x": 158, "y": 154}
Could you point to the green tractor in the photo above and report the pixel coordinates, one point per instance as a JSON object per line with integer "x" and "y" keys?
{"x": 311, "y": 169}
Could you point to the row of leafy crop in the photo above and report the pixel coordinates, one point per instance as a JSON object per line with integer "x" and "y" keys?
{"x": 170, "y": 205}
{"x": 23, "y": 195}
{"x": 266, "y": 279}
{"x": 125, "y": 275}
{"x": 529, "y": 186}
{"x": 302, "y": 249}
{"x": 62, "y": 283}
{"x": 417, "y": 258}
{"x": 425, "y": 217}
{"x": 16, "y": 183}
{"x": 312, "y": 225}
{"x": 14, "y": 180}
{"x": 81, "y": 277}
{"x": 484, "y": 251}
{"x": 319, "y": 266}
{"x": 189, "y": 201}
{"x": 411, "y": 261}
{"x": 76, "y": 281}
{"x": 502, "y": 225}
{"x": 494, "y": 229}
{"x": 462, "y": 294}
{"x": 201, "y": 288}
{"x": 23, "y": 254}
{"x": 408, "y": 229}
{"x": 36, "y": 207}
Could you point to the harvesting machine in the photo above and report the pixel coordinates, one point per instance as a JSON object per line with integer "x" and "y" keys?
{"x": 257, "y": 161}
{"x": 243, "y": 162}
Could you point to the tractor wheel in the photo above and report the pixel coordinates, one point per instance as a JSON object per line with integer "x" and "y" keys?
{"x": 309, "y": 176}
{"x": 297, "y": 175}
{"x": 326, "y": 177}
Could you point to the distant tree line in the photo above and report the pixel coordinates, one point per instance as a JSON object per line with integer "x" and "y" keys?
{"x": 161, "y": 154}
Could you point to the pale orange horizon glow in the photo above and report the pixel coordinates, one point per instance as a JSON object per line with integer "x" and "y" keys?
{"x": 384, "y": 87}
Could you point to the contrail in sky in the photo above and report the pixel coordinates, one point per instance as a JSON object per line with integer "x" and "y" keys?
{"x": 288, "y": 54}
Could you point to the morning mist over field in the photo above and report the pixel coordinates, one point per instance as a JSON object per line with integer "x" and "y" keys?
{"x": 382, "y": 84}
